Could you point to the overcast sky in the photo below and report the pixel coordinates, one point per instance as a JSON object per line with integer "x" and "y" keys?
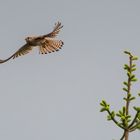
{"x": 56, "y": 96}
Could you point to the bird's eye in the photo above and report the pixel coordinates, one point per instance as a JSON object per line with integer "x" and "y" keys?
{"x": 28, "y": 38}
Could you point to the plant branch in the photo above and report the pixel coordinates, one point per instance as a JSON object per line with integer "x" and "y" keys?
{"x": 134, "y": 127}
{"x": 126, "y": 132}
{"x": 134, "y": 120}
{"x": 115, "y": 121}
{"x": 126, "y": 122}
{"x": 123, "y": 136}
{"x": 129, "y": 86}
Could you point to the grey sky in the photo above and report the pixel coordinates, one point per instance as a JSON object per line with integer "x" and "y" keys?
{"x": 56, "y": 96}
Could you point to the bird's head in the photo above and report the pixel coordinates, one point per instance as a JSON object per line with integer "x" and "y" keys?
{"x": 29, "y": 39}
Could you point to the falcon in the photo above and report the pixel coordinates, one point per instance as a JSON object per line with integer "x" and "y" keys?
{"x": 45, "y": 43}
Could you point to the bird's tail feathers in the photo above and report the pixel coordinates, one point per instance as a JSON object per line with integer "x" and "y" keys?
{"x": 51, "y": 46}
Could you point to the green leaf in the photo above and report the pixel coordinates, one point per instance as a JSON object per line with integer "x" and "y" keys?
{"x": 132, "y": 76}
{"x": 138, "y": 127}
{"x": 120, "y": 112}
{"x": 129, "y": 95}
{"x": 139, "y": 116}
{"x": 125, "y": 89}
{"x": 133, "y": 65}
{"x": 125, "y": 99}
{"x": 134, "y": 79}
{"x": 125, "y": 83}
{"x": 122, "y": 118}
{"x": 126, "y": 52}
{"x": 126, "y": 67}
{"x": 128, "y": 116}
{"x": 103, "y": 109}
{"x": 107, "y": 107}
{"x": 113, "y": 114}
{"x": 129, "y": 120}
{"x": 129, "y": 74}
{"x": 133, "y": 69}
{"x": 135, "y": 58}
{"x": 137, "y": 108}
{"x": 132, "y": 98}
{"x": 109, "y": 118}
{"x": 123, "y": 109}
{"x": 118, "y": 115}
{"x": 103, "y": 103}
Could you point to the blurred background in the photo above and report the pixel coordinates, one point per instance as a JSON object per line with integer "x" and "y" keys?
{"x": 56, "y": 96}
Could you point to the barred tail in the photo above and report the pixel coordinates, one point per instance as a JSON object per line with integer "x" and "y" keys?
{"x": 51, "y": 46}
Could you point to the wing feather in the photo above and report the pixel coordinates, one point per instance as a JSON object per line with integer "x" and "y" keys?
{"x": 23, "y": 50}
{"x": 55, "y": 31}
{"x": 50, "y": 45}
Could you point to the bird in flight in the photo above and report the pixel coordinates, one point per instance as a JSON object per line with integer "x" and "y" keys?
{"x": 46, "y": 43}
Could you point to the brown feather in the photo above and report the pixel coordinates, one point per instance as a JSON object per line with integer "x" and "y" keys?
{"x": 55, "y": 31}
{"x": 23, "y": 50}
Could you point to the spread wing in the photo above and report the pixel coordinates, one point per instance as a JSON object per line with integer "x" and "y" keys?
{"x": 50, "y": 45}
{"x": 23, "y": 50}
{"x": 47, "y": 44}
{"x": 55, "y": 31}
